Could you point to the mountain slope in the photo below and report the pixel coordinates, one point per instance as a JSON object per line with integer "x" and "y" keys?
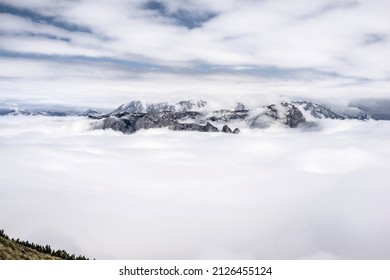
{"x": 15, "y": 249}
{"x": 11, "y": 250}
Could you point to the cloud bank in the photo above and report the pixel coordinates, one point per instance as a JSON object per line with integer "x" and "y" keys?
{"x": 157, "y": 194}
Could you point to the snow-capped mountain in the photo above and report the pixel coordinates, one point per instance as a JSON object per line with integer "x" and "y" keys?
{"x": 90, "y": 113}
{"x": 317, "y": 111}
{"x": 141, "y": 107}
{"x": 185, "y": 115}
{"x": 195, "y": 115}
{"x": 129, "y": 108}
{"x": 322, "y": 112}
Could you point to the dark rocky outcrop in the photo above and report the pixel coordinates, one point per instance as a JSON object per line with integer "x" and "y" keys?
{"x": 294, "y": 116}
{"x": 129, "y": 123}
{"x": 195, "y": 127}
{"x": 226, "y": 129}
{"x": 113, "y": 123}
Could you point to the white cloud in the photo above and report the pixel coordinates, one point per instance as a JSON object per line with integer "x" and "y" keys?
{"x": 107, "y": 85}
{"x": 251, "y": 49}
{"x": 262, "y": 194}
{"x": 272, "y": 33}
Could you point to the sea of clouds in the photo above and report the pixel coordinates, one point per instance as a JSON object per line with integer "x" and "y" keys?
{"x": 275, "y": 193}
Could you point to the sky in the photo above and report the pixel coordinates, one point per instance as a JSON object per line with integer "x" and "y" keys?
{"x": 105, "y": 53}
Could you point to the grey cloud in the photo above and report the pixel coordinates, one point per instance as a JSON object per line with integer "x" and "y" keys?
{"x": 374, "y": 38}
{"x": 34, "y": 34}
{"x": 183, "y": 17}
{"x": 332, "y": 6}
{"x": 43, "y": 19}
{"x": 378, "y": 108}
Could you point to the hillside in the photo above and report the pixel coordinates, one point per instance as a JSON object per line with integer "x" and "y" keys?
{"x": 11, "y": 249}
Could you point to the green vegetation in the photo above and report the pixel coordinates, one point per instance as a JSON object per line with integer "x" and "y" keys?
{"x": 15, "y": 249}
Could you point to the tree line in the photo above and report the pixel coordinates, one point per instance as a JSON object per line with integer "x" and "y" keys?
{"x": 62, "y": 254}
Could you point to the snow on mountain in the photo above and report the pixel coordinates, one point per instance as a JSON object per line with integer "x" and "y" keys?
{"x": 190, "y": 105}
{"x": 141, "y": 107}
{"x": 129, "y": 108}
{"x": 133, "y": 116}
{"x": 317, "y": 111}
{"x": 292, "y": 114}
{"x": 91, "y": 113}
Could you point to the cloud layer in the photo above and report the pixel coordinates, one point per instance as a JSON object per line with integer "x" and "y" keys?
{"x": 158, "y": 194}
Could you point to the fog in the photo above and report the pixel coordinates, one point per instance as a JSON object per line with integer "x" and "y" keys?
{"x": 274, "y": 193}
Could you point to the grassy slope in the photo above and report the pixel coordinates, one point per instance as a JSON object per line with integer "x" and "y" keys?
{"x": 10, "y": 250}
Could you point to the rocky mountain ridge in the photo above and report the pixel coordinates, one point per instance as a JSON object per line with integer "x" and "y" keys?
{"x": 192, "y": 116}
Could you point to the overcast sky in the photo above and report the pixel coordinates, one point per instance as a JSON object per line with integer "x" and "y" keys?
{"x": 113, "y": 51}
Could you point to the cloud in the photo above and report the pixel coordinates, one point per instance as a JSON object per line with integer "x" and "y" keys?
{"x": 157, "y": 194}
{"x": 181, "y": 16}
{"x": 331, "y": 7}
{"x": 378, "y": 108}
{"x": 42, "y": 19}
{"x": 374, "y": 38}
{"x": 106, "y": 84}
{"x": 345, "y": 41}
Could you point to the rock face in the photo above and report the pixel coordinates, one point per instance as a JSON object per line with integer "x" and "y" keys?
{"x": 294, "y": 116}
{"x": 226, "y": 129}
{"x": 195, "y": 127}
{"x": 285, "y": 113}
{"x": 133, "y": 122}
{"x": 186, "y": 116}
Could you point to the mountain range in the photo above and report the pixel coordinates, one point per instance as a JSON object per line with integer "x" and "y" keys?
{"x": 193, "y": 116}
